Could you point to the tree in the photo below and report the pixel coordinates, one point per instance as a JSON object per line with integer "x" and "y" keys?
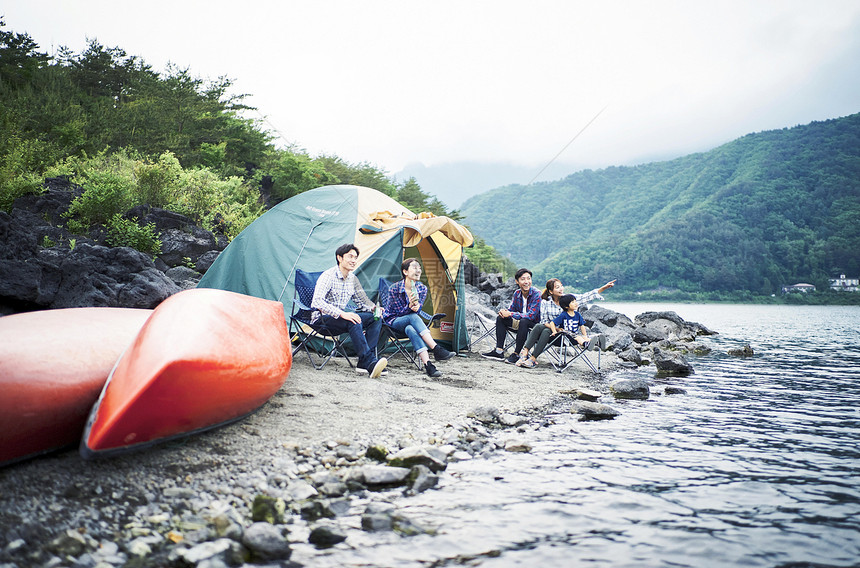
{"x": 19, "y": 59}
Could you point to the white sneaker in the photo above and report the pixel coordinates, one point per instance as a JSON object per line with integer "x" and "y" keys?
{"x": 378, "y": 368}
{"x": 360, "y": 371}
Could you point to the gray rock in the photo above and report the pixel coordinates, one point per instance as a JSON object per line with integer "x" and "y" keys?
{"x": 350, "y": 453}
{"x": 183, "y": 276}
{"x": 421, "y": 479}
{"x": 179, "y": 246}
{"x": 407, "y": 527}
{"x": 333, "y": 489}
{"x": 618, "y": 340}
{"x": 325, "y": 536}
{"x": 671, "y": 363}
{"x": 648, "y": 317}
{"x": 586, "y": 394}
{"x": 300, "y": 489}
{"x": 674, "y": 390}
{"x": 379, "y": 508}
{"x": 745, "y": 351}
{"x": 312, "y": 510}
{"x": 511, "y": 420}
{"x": 631, "y": 355}
{"x": 380, "y": 475}
{"x": 485, "y": 414}
{"x": 375, "y": 522}
{"x": 517, "y": 446}
{"x": 635, "y": 389}
{"x": 226, "y": 551}
{"x": 416, "y": 455}
{"x": 206, "y": 260}
{"x": 609, "y": 318}
{"x": 69, "y": 543}
{"x": 266, "y": 542}
{"x": 654, "y": 331}
{"x": 593, "y": 411}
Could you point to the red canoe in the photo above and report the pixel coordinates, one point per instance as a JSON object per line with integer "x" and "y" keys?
{"x": 53, "y": 364}
{"x": 205, "y": 358}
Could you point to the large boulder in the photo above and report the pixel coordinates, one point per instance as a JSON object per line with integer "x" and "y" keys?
{"x": 671, "y": 363}
{"x": 634, "y": 389}
{"x": 92, "y": 275}
{"x": 609, "y": 318}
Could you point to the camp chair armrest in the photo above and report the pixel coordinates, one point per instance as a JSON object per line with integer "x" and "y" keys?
{"x": 432, "y": 321}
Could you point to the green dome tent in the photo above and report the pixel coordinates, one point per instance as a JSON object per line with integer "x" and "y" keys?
{"x": 304, "y": 231}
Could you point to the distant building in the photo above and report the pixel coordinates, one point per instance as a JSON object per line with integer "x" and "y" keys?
{"x": 800, "y": 287}
{"x": 843, "y": 284}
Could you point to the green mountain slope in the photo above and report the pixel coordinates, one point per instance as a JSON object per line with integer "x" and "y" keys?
{"x": 767, "y": 209}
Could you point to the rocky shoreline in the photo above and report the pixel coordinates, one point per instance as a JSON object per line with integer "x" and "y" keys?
{"x": 332, "y": 456}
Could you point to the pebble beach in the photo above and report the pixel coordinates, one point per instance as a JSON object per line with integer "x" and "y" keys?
{"x": 318, "y": 466}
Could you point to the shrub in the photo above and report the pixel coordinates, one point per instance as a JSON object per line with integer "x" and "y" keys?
{"x": 157, "y": 183}
{"x": 12, "y": 189}
{"x": 124, "y": 232}
{"x": 106, "y": 194}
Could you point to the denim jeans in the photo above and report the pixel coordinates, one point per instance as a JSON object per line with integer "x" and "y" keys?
{"x": 413, "y": 326}
{"x": 364, "y": 335}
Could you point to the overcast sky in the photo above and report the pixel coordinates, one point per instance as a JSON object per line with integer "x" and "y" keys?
{"x": 399, "y": 82}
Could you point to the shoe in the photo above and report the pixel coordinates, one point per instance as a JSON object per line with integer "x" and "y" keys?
{"x": 493, "y": 355}
{"x": 431, "y": 370}
{"x": 512, "y": 359}
{"x": 528, "y": 364}
{"x": 441, "y": 354}
{"x": 378, "y": 367}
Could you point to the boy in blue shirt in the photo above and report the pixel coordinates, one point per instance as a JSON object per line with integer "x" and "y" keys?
{"x": 570, "y": 322}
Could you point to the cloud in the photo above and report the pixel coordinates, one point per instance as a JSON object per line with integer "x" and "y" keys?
{"x": 394, "y": 82}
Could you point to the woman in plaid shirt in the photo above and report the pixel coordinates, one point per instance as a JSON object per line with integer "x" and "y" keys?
{"x": 541, "y": 334}
{"x": 403, "y": 314}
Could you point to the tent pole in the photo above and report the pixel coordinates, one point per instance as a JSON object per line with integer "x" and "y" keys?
{"x": 298, "y": 256}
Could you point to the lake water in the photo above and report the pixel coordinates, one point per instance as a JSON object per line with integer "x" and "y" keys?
{"x": 757, "y": 465}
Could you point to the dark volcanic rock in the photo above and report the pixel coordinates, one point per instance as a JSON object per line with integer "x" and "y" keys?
{"x": 43, "y": 265}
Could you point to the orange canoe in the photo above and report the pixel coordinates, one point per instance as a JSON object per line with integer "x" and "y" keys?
{"x": 53, "y": 364}
{"x": 205, "y": 358}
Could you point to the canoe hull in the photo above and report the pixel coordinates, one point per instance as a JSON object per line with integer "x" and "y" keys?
{"x": 53, "y": 365}
{"x": 205, "y": 358}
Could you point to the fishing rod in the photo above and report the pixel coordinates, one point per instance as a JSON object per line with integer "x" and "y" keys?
{"x": 566, "y": 145}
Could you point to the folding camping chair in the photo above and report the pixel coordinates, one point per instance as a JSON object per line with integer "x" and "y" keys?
{"x": 312, "y": 336}
{"x": 397, "y": 340}
{"x": 488, "y": 329}
{"x": 563, "y": 350}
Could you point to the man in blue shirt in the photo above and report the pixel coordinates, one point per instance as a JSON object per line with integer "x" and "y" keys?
{"x": 522, "y": 315}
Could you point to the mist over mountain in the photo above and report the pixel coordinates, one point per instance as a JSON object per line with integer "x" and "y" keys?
{"x": 765, "y": 210}
{"x": 455, "y": 182}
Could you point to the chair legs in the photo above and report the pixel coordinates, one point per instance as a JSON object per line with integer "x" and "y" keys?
{"x": 399, "y": 343}
{"x": 559, "y": 354}
{"x": 319, "y": 344}
{"x": 488, "y": 329}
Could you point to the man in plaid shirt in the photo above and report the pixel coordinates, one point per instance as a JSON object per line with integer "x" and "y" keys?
{"x": 335, "y": 288}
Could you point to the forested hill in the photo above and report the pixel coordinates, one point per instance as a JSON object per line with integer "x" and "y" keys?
{"x": 765, "y": 210}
